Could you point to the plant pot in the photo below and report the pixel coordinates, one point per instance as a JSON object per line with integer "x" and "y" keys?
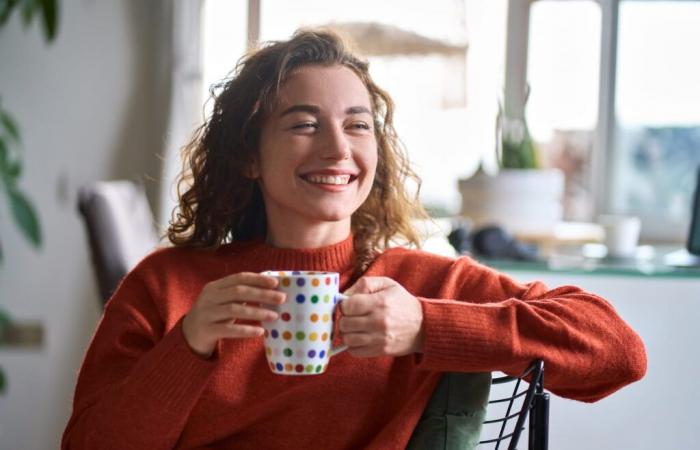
{"x": 523, "y": 201}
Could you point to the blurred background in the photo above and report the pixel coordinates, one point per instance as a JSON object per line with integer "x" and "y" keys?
{"x": 602, "y": 93}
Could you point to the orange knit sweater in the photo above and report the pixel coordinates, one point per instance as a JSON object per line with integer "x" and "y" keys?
{"x": 141, "y": 387}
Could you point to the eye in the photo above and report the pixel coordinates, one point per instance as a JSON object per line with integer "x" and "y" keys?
{"x": 360, "y": 126}
{"x": 304, "y": 126}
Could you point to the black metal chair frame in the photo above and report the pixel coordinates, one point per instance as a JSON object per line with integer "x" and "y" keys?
{"x": 535, "y": 404}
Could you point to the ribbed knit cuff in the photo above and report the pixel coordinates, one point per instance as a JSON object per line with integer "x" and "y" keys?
{"x": 174, "y": 376}
{"x": 460, "y": 336}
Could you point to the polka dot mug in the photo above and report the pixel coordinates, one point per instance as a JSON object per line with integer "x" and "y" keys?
{"x": 300, "y": 341}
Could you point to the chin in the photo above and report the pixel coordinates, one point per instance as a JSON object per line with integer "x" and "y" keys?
{"x": 331, "y": 215}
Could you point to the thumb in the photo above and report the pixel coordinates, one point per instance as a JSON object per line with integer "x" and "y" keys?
{"x": 370, "y": 285}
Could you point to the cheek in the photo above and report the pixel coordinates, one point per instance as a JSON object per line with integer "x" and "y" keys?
{"x": 371, "y": 165}
{"x": 272, "y": 163}
{"x": 370, "y": 176}
{"x": 269, "y": 151}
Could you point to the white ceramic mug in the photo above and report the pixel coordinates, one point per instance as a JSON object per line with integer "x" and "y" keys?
{"x": 621, "y": 235}
{"x": 300, "y": 341}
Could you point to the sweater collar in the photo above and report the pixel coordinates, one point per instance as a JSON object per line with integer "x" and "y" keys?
{"x": 337, "y": 257}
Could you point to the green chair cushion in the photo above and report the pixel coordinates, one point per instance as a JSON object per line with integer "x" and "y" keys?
{"x": 455, "y": 413}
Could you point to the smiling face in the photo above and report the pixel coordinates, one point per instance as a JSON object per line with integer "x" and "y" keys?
{"x": 318, "y": 152}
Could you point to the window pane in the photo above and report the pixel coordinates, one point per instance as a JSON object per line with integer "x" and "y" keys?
{"x": 562, "y": 110}
{"x": 224, "y": 26}
{"x": 657, "y": 109}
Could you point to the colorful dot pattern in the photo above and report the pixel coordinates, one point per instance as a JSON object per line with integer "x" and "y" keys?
{"x": 299, "y": 342}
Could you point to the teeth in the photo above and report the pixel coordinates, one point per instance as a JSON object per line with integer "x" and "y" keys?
{"x": 328, "y": 179}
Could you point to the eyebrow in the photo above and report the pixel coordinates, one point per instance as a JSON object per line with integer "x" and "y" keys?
{"x": 313, "y": 109}
{"x": 357, "y": 110}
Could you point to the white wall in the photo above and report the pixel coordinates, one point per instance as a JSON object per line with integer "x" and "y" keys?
{"x": 91, "y": 105}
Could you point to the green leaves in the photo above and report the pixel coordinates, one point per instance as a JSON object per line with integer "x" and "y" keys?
{"x": 12, "y": 167}
{"x": 9, "y": 126}
{"x": 49, "y": 12}
{"x": 6, "y": 7}
{"x": 519, "y": 154}
{"x": 10, "y": 164}
{"x": 515, "y": 148}
{"x": 25, "y": 216}
{"x": 5, "y": 323}
{"x": 9, "y": 135}
{"x": 47, "y": 8}
{"x": 22, "y": 210}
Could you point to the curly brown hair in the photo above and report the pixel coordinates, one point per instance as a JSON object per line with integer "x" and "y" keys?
{"x": 219, "y": 203}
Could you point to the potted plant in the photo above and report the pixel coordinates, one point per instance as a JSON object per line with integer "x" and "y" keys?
{"x": 22, "y": 211}
{"x": 523, "y": 197}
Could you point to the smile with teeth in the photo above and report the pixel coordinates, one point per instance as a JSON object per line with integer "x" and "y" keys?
{"x": 328, "y": 179}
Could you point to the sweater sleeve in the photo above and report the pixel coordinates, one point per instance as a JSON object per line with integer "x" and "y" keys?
{"x": 485, "y": 321}
{"x": 138, "y": 382}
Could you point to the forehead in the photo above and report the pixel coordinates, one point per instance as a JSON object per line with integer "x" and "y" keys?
{"x": 329, "y": 87}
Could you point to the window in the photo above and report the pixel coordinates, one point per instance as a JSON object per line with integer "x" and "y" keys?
{"x": 657, "y": 111}
{"x": 613, "y": 93}
{"x": 562, "y": 108}
{"x": 615, "y": 103}
{"x": 224, "y": 40}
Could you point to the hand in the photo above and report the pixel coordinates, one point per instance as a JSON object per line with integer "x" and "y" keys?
{"x": 381, "y": 319}
{"x": 222, "y": 303}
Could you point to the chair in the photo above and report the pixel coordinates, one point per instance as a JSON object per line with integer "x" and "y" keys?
{"x": 121, "y": 229}
{"x": 475, "y": 410}
{"x": 514, "y": 406}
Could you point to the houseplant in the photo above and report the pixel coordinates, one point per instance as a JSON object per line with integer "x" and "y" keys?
{"x": 22, "y": 211}
{"x": 522, "y": 196}
{"x": 21, "y": 208}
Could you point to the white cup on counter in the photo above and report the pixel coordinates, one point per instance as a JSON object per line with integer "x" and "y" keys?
{"x": 621, "y": 234}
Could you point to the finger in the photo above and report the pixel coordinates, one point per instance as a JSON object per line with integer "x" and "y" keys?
{"x": 358, "y": 305}
{"x": 244, "y": 293}
{"x": 237, "y": 311}
{"x": 368, "y": 285}
{"x": 354, "y": 324}
{"x": 237, "y": 330}
{"x": 248, "y": 278}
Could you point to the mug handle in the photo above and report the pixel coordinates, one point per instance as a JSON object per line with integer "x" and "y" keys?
{"x": 341, "y": 348}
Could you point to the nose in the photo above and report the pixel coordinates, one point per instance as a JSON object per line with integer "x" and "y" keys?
{"x": 336, "y": 144}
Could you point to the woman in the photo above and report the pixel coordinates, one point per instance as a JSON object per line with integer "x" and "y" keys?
{"x": 299, "y": 168}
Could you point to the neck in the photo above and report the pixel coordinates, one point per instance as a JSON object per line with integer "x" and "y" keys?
{"x": 306, "y": 235}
